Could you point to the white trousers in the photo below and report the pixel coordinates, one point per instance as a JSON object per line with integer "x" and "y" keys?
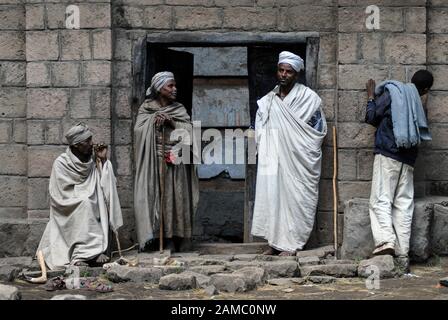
{"x": 391, "y": 204}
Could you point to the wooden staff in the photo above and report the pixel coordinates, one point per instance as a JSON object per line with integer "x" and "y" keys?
{"x": 335, "y": 195}
{"x": 162, "y": 185}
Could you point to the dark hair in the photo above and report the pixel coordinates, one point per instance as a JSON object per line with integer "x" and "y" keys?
{"x": 422, "y": 79}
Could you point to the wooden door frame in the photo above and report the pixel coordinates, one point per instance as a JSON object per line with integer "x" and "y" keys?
{"x": 228, "y": 39}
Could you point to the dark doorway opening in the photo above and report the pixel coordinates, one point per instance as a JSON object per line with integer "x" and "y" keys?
{"x": 224, "y": 193}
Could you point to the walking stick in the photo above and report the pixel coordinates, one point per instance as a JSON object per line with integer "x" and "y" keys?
{"x": 99, "y": 166}
{"x": 162, "y": 185}
{"x": 335, "y": 195}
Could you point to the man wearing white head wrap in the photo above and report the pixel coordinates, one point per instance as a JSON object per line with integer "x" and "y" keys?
{"x": 83, "y": 203}
{"x": 181, "y": 194}
{"x": 292, "y": 59}
{"x": 158, "y": 81}
{"x": 289, "y": 130}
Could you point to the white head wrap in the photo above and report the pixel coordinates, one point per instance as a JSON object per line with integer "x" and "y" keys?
{"x": 158, "y": 81}
{"x": 78, "y": 133}
{"x": 292, "y": 59}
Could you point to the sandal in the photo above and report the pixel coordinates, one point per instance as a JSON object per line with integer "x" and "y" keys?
{"x": 56, "y": 283}
{"x": 96, "y": 286}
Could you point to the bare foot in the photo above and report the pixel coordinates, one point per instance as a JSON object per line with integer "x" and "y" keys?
{"x": 287, "y": 254}
{"x": 81, "y": 264}
{"x": 102, "y": 258}
{"x": 270, "y": 252}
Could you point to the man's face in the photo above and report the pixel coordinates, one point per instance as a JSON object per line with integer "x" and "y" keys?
{"x": 85, "y": 147}
{"x": 286, "y": 75}
{"x": 169, "y": 90}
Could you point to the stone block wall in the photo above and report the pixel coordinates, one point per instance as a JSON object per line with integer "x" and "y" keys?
{"x": 395, "y": 51}
{"x": 436, "y": 173}
{"x": 52, "y": 77}
{"x": 13, "y": 147}
{"x": 68, "y": 80}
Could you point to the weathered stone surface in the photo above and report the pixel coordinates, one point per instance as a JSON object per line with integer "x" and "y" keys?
{"x": 305, "y": 261}
{"x": 69, "y": 297}
{"x": 321, "y": 279}
{"x": 211, "y": 290}
{"x": 96, "y": 73}
{"x": 9, "y": 293}
{"x": 307, "y": 17}
{"x": 231, "y": 248}
{"x": 353, "y": 77}
{"x": 358, "y": 239}
{"x": 231, "y": 283}
{"x": 245, "y": 257}
{"x": 65, "y": 74}
{"x": 13, "y": 73}
{"x": 208, "y": 270}
{"x": 333, "y": 261}
{"x": 405, "y": 49}
{"x": 38, "y": 74}
{"x": 253, "y": 276}
{"x": 9, "y": 273}
{"x": 13, "y": 159}
{"x": 12, "y": 102}
{"x": 335, "y": 270}
{"x": 420, "y": 244}
{"x": 202, "y": 280}
{"x": 13, "y": 45}
{"x": 321, "y": 252}
{"x": 439, "y": 232}
{"x": 189, "y": 18}
{"x": 42, "y": 45}
{"x": 279, "y": 269}
{"x": 41, "y": 158}
{"x": 171, "y": 269}
{"x": 22, "y": 262}
{"x": 13, "y": 191}
{"x": 383, "y": 266}
{"x": 250, "y": 18}
{"x": 75, "y": 45}
{"x": 47, "y": 103}
{"x": 285, "y": 281}
{"x": 35, "y": 17}
{"x": 133, "y": 274}
{"x": 102, "y": 44}
{"x": 183, "y": 281}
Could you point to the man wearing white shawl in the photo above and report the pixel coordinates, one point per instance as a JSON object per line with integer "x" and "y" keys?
{"x": 83, "y": 204}
{"x": 160, "y": 118}
{"x": 290, "y": 127}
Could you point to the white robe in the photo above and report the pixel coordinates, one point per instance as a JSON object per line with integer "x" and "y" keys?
{"x": 289, "y": 167}
{"x": 78, "y": 228}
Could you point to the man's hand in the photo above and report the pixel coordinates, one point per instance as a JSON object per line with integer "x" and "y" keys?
{"x": 163, "y": 118}
{"x": 370, "y": 86}
{"x": 101, "y": 152}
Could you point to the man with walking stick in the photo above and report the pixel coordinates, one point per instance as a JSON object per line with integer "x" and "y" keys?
{"x": 166, "y": 189}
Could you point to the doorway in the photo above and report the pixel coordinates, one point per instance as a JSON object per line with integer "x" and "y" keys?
{"x": 219, "y": 84}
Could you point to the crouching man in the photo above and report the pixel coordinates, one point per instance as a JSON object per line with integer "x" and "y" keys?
{"x": 83, "y": 204}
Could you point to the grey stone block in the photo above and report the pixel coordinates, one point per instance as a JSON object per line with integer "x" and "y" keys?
{"x": 358, "y": 239}
{"x": 183, "y": 281}
{"x": 384, "y": 265}
{"x": 133, "y": 274}
{"x": 439, "y": 232}
{"x": 9, "y": 293}
{"x": 229, "y": 282}
{"x": 335, "y": 270}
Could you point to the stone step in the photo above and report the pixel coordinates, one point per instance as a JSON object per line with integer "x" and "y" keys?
{"x": 231, "y": 248}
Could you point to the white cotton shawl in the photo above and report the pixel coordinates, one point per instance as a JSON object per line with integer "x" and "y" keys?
{"x": 289, "y": 167}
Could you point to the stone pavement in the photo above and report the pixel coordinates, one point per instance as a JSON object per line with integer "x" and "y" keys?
{"x": 312, "y": 274}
